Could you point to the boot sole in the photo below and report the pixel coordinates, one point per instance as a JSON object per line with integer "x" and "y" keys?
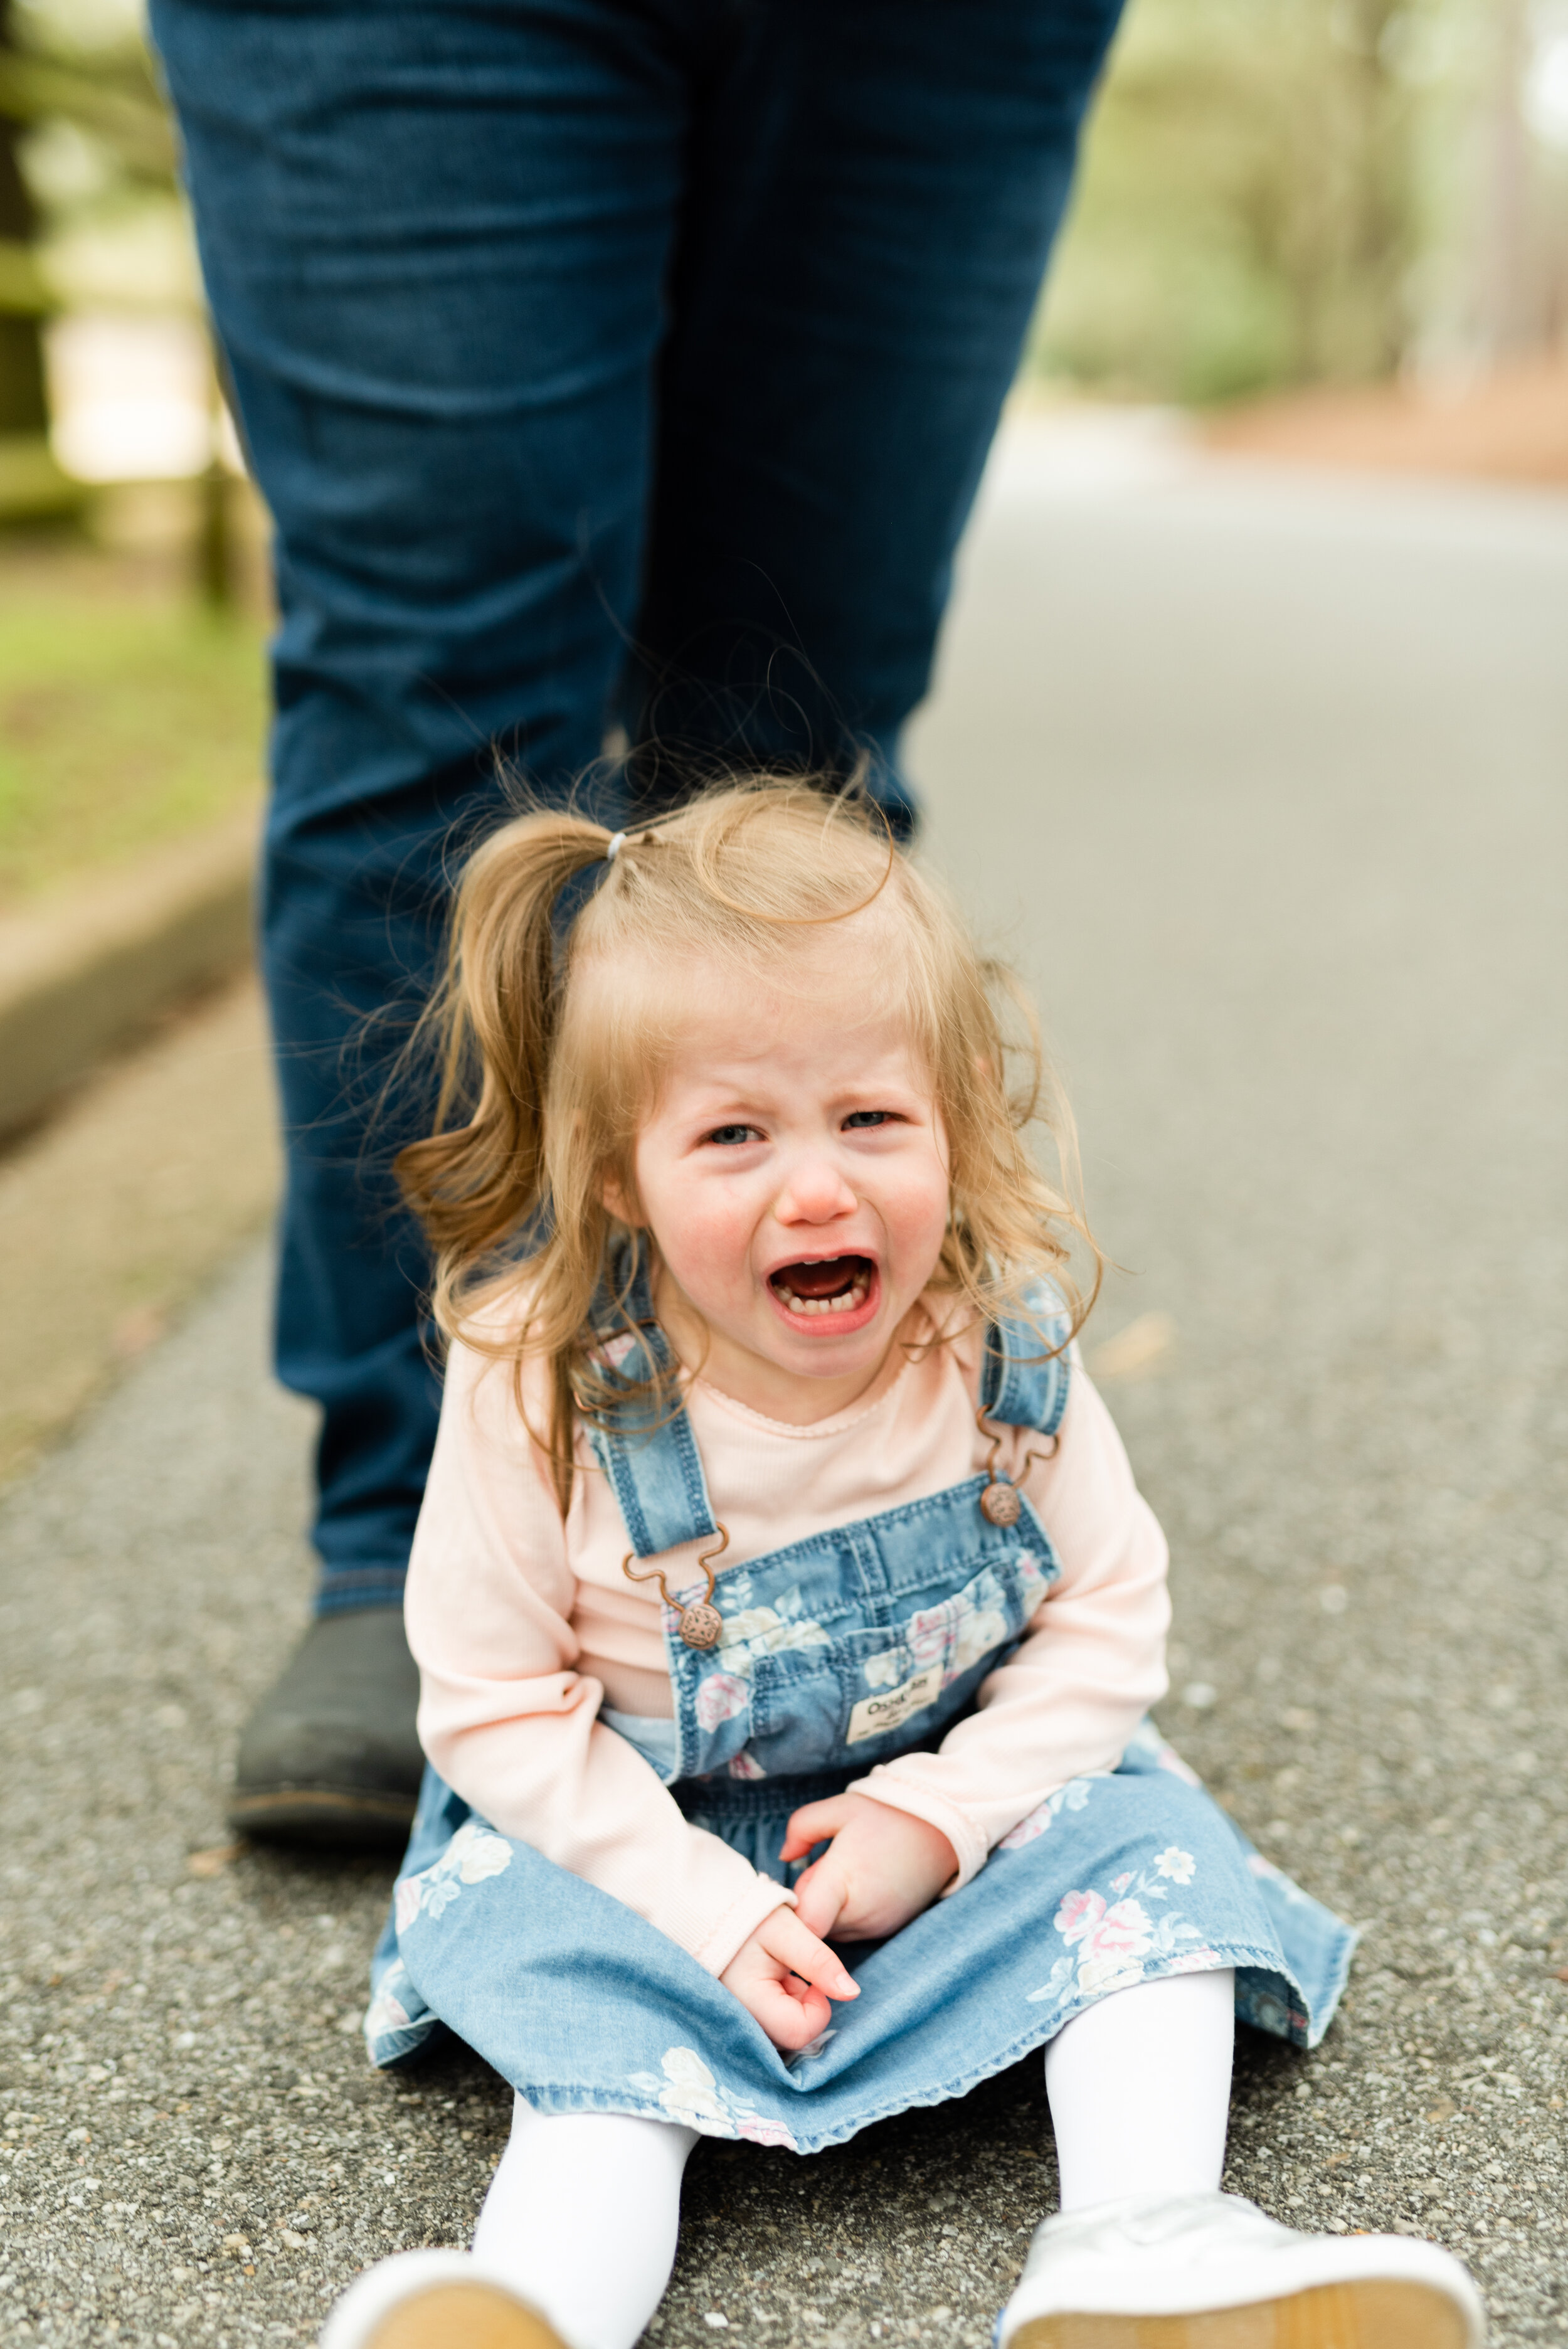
{"x": 1380, "y": 2312}
{"x": 462, "y": 2316}
{"x": 324, "y": 1815}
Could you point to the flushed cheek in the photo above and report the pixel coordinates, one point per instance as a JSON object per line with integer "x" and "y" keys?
{"x": 711, "y": 1256}
{"x": 702, "y": 1233}
{"x": 915, "y": 1225}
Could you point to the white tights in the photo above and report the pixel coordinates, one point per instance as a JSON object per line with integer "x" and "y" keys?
{"x": 1140, "y": 2085}
{"x": 583, "y": 2213}
{"x": 582, "y": 2217}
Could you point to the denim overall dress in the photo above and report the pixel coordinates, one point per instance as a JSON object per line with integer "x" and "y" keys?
{"x": 837, "y": 1653}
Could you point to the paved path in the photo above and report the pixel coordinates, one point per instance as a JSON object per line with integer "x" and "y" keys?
{"x": 122, "y": 1209}
{"x": 1265, "y": 783}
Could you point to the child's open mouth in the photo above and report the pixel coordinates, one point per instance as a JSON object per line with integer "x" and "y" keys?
{"x": 837, "y": 1284}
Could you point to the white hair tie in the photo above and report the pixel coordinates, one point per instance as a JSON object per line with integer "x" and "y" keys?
{"x": 613, "y": 850}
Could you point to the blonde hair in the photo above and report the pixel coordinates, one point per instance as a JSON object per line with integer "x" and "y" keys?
{"x": 554, "y": 1044}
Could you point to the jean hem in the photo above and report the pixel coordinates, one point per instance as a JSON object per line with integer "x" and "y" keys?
{"x": 349, "y": 1593}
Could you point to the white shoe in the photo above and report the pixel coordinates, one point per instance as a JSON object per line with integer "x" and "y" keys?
{"x": 1210, "y": 2271}
{"x": 434, "y": 2300}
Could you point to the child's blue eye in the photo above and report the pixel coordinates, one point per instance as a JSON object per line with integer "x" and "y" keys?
{"x": 868, "y": 1117}
{"x": 730, "y": 1135}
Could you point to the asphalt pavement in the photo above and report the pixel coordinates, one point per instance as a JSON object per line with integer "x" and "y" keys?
{"x": 1263, "y": 781}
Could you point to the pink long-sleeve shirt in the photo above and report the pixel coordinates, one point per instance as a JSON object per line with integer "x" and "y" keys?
{"x": 525, "y": 1625}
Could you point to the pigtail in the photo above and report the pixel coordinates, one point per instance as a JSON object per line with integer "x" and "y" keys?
{"x": 478, "y": 1178}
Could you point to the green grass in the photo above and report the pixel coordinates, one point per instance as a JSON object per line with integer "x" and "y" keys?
{"x": 128, "y": 714}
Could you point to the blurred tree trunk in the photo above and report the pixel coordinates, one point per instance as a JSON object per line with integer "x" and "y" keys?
{"x": 1347, "y": 233}
{"x": 23, "y": 399}
{"x": 1381, "y": 241}
{"x": 1507, "y": 312}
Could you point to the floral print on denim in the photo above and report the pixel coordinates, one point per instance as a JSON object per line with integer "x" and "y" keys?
{"x": 1259, "y": 2003}
{"x": 614, "y": 1352}
{"x": 947, "y": 1641}
{"x": 1178, "y": 1866}
{"x": 1111, "y": 1944}
{"x": 386, "y": 2010}
{"x": 960, "y": 1633}
{"x": 1258, "y": 1866}
{"x": 689, "y": 2093}
{"x": 954, "y": 1637}
{"x": 474, "y": 1854}
{"x": 724, "y": 1693}
{"x": 1146, "y": 1739}
{"x": 753, "y": 1632}
{"x": 720, "y": 1697}
{"x": 1070, "y": 1797}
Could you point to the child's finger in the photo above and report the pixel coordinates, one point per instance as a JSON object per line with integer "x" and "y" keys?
{"x": 784, "y": 1937}
{"x": 820, "y": 1898}
{"x": 814, "y": 1823}
{"x": 791, "y": 2017}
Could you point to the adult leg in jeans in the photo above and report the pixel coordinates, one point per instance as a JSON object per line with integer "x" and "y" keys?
{"x": 462, "y": 261}
{"x": 872, "y": 190}
{"x": 435, "y": 242}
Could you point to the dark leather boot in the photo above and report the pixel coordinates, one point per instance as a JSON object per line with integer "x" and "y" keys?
{"x": 330, "y": 1754}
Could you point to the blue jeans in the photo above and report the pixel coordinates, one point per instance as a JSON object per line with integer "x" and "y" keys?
{"x": 603, "y": 363}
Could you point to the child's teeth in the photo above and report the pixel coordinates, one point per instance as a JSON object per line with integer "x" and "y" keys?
{"x": 847, "y": 1301}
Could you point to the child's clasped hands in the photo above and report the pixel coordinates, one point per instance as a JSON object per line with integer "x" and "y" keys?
{"x": 881, "y": 1867}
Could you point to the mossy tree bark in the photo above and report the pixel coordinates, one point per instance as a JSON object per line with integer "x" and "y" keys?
{"x": 24, "y": 393}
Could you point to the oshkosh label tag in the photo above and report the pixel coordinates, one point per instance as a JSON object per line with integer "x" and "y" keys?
{"x": 891, "y": 1708}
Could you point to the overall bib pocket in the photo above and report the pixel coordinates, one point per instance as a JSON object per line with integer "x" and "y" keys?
{"x": 822, "y": 1664}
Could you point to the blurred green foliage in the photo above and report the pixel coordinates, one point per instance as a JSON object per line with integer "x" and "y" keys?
{"x": 86, "y": 63}
{"x": 81, "y": 89}
{"x": 79, "y": 98}
{"x": 127, "y": 714}
{"x": 1255, "y": 197}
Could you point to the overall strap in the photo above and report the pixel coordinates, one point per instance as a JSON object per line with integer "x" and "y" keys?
{"x": 649, "y": 1454}
{"x": 1021, "y": 1384}
{"x": 647, "y": 1450}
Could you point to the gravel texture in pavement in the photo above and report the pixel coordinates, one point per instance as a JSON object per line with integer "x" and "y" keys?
{"x": 126, "y": 1205}
{"x": 1293, "y": 898}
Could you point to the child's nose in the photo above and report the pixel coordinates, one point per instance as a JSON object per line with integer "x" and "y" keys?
{"x": 814, "y": 1193}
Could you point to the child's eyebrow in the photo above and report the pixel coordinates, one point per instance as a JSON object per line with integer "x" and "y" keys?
{"x": 709, "y": 1101}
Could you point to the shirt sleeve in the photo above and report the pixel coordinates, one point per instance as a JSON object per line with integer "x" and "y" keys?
{"x": 504, "y": 1715}
{"x": 1091, "y": 1662}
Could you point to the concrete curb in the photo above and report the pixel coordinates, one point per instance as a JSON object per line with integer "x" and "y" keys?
{"x": 78, "y": 977}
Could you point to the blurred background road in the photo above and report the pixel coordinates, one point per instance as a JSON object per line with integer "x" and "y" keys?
{"x": 1250, "y": 744}
{"x": 1263, "y": 785}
